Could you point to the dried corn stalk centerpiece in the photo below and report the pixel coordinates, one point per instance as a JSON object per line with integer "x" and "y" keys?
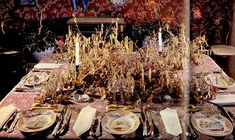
{"x": 121, "y": 72}
{"x": 198, "y": 47}
{"x": 200, "y": 90}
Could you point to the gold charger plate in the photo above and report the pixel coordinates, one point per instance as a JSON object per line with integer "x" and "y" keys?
{"x": 211, "y": 123}
{"x": 219, "y": 80}
{"x": 120, "y": 122}
{"x": 35, "y": 78}
{"x": 36, "y": 120}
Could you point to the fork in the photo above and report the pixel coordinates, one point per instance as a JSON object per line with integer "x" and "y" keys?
{"x": 145, "y": 129}
{"x": 151, "y": 125}
{"x": 92, "y": 133}
{"x": 97, "y": 132}
{"x": 60, "y": 119}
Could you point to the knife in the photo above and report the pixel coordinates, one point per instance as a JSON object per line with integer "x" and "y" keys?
{"x": 115, "y": 107}
{"x": 143, "y": 114}
{"x": 7, "y": 124}
{"x": 150, "y": 121}
{"x": 22, "y": 89}
{"x": 92, "y": 133}
{"x": 9, "y": 121}
{"x": 188, "y": 124}
{"x": 135, "y": 110}
{"x": 223, "y": 111}
{"x": 42, "y": 70}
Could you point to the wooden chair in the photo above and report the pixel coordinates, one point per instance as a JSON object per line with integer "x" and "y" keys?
{"x": 94, "y": 22}
{"x": 224, "y": 54}
{"x": 224, "y": 49}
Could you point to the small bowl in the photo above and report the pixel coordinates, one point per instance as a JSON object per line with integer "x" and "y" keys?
{"x": 82, "y": 98}
{"x": 85, "y": 98}
{"x": 76, "y": 97}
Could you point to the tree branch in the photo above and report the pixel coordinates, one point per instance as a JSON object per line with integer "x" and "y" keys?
{"x": 41, "y": 10}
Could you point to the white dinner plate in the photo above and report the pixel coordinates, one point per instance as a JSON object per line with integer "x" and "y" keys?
{"x": 120, "y": 122}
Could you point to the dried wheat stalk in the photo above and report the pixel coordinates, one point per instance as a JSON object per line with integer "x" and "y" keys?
{"x": 110, "y": 66}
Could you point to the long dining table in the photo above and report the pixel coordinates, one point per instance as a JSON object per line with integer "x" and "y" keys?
{"x": 24, "y": 100}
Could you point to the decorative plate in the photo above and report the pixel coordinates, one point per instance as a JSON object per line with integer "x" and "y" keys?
{"x": 120, "y": 122}
{"x": 219, "y": 80}
{"x": 35, "y": 78}
{"x": 36, "y": 120}
{"x": 211, "y": 123}
{"x": 118, "y": 2}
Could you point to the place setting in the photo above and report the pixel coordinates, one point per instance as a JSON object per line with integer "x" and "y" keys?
{"x": 38, "y": 77}
{"x": 212, "y": 123}
{"x": 207, "y": 109}
{"x": 35, "y": 78}
{"x": 36, "y": 120}
{"x": 32, "y": 82}
{"x": 43, "y": 122}
{"x": 33, "y": 123}
{"x": 220, "y": 80}
{"x": 209, "y": 121}
{"x": 120, "y": 123}
{"x": 10, "y": 115}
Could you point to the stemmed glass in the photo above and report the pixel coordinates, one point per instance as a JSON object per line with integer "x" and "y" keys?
{"x": 121, "y": 86}
{"x": 111, "y": 86}
{"x": 68, "y": 79}
{"x": 129, "y": 88}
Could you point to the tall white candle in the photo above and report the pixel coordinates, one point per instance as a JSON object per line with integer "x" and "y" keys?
{"x": 77, "y": 53}
{"x": 160, "y": 39}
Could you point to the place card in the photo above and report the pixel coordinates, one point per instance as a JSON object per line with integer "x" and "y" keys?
{"x": 47, "y": 66}
{"x": 84, "y": 120}
{"x": 224, "y": 99}
{"x": 171, "y": 121}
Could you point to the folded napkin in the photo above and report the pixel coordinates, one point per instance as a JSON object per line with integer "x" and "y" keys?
{"x": 84, "y": 120}
{"x": 47, "y": 66}
{"x": 224, "y": 99}
{"x": 6, "y": 113}
{"x": 171, "y": 121}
